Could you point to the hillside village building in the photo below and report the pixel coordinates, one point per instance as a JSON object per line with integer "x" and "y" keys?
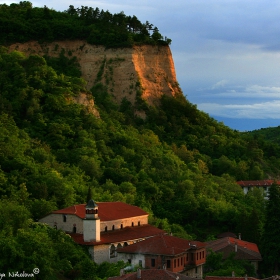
{"x": 260, "y": 184}
{"x": 243, "y": 250}
{"x": 167, "y": 252}
{"x": 103, "y": 227}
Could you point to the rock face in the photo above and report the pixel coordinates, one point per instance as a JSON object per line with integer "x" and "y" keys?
{"x": 147, "y": 71}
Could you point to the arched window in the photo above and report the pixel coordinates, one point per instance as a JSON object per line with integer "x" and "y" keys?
{"x": 138, "y": 223}
{"x": 132, "y": 224}
{"x": 74, "y": 229}
{"x": 112, "y": 251}
{"x": 113, "y": 227}
{"x": 106, "y": 228}
{"x": 64, "y": 218}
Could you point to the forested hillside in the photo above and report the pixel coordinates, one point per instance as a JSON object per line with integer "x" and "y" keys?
{"x": 178, "y": 163}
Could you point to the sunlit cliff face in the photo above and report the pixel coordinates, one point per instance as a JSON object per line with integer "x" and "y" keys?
{"x": 145, "y": 70}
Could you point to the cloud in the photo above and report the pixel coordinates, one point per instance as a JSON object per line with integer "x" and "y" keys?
{"x": 222, "y": 89}
{"x": 220, "y": 84}
{"x": 265, "y": 110}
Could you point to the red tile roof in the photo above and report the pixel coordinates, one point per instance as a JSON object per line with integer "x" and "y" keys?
{"x": 262, "y": 183}
{"x": 107, "y": 211}
{"x": 162, "y": 245}
{"x": 153, "y": 274}
{"x": 120, "y": 235}
{"x": 245, "y": 249}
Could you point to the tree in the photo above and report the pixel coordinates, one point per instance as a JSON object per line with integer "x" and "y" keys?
{"x": 270, "y": 241}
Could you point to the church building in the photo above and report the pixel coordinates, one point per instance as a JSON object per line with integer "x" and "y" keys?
{"x": 103, "y": 227}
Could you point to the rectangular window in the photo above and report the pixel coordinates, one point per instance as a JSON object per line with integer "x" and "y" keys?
{"x": 153, "y": 262}
{"x": 181, "y": 260}
{"x": 203, "y": 254}
{"x": 140, "y": 263}
{"x": 168, "y": 264}
{"x": 174, "y": 263}
{"x": 178, "y": 262}
{"x": 64, "y": 218}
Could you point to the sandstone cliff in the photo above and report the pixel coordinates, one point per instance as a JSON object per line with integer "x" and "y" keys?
{"x": 146, "y": 70}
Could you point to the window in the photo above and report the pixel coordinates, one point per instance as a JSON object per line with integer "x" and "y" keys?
{"x": 74, "y": 229}
{"x": 181, "y": 260}
{"x": 140, "y": 263}
{"x": 113, "y": 251}
{"x": 129, "y": 261}
{"x": 174, "y": 263}
{"x": 168, "y": 263}
{"x": 106, "y": 228}
{"x": 153, "y": 262}
{"x": 200, "y": 255}
{"x": 203, "y": 254}
{"x": 187, "y": 257}
{"x": 64, "y": 218}
{"x": 121, "y": 226}
{"x": 113, "y": 227}
{"x": 132, "y": 224}
{"x": 138, "y": 223}
{"x": 178, "y": 262}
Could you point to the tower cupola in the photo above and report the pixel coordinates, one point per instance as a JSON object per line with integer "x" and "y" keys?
{"x": 91, "y": 210}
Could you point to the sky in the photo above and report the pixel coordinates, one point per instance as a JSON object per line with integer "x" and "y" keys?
{"x": 226, "y": 52}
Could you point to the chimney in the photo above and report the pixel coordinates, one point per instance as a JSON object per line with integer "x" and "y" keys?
{"x": 233, "y": 274}
{"x": 138, "y": 273}
{"x": 239, "y": 236}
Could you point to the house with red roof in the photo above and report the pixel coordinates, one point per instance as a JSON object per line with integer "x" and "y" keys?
{"x": 151, "y": 274}
{"x": 103, "y": 227}
{"x": 243, "y": 250}
{"x": 164, "y": 251}
{"x": 260, "y": 184}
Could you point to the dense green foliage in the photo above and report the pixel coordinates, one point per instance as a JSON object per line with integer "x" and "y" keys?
{"x": 21, "y": 23}
{"x": 178, "y": 164}
{"x": 270, "y": 238}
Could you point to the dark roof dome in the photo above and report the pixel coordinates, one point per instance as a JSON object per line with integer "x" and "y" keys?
{"x": 91, "y": 204}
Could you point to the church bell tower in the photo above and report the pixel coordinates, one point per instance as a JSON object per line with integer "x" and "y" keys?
{"x": 91, "y": 222}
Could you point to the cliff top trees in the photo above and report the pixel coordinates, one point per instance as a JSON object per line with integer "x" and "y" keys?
{"x": 22, "y": 22}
